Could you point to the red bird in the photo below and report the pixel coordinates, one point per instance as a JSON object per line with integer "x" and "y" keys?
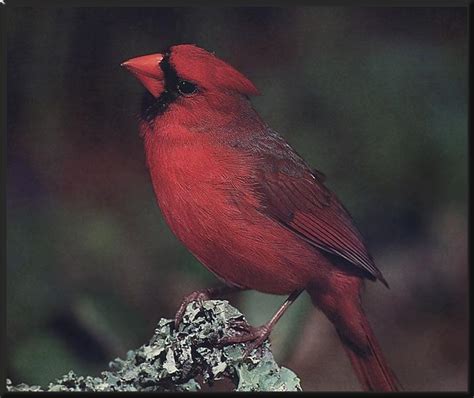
{"x": 247, "y": 205}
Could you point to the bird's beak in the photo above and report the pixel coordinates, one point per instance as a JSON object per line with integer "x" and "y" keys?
{"x": 147, "y": 69}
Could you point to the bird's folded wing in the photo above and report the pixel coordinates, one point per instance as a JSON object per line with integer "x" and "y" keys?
{"x": 292, "y": 194}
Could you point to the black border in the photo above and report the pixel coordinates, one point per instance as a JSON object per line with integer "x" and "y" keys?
{"x": 3, "y": 156}
{"x": 201, "y": 3}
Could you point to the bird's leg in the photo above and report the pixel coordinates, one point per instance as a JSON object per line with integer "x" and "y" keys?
{"x": 255, "y": 336}
{"x": 202, "y": 295}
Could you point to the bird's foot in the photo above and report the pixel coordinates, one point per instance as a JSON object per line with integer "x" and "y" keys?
{"x": 252, "y": 336}
{"x": 199, "y": 295}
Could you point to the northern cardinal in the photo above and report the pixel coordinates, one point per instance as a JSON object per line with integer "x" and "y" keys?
{"x": 247, "y": 205}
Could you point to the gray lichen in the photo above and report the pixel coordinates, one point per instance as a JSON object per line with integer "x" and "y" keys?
{"x": 183, "y": 359}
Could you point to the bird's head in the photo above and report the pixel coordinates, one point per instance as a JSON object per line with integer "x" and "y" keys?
{"x": 187, "y": 79}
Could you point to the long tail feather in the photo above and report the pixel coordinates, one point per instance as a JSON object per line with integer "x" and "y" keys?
{"x": 369, "y": 364}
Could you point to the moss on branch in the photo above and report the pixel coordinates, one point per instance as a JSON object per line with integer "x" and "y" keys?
{"x": 184, "y": 359}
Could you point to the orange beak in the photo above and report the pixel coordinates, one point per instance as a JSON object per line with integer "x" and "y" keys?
{"x": 147, "y": 69}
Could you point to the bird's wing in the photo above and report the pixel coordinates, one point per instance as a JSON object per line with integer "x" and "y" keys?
{"x": 290, "y": 192}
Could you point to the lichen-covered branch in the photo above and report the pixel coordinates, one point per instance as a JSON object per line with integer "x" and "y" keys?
{"x": 183, "y": 359}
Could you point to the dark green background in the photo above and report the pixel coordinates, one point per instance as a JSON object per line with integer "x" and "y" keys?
{"x": 376, "y": 98}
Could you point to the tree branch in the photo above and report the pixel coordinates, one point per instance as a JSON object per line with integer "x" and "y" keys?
{"x": 183, "y": 359}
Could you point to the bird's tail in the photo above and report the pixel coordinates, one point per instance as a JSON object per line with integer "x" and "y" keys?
{"x": 359, "y": 341}
{"x": 369, "y": 364}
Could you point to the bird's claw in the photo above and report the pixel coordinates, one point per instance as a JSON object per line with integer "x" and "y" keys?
{"x": 253, "y": 337}
{"x": 200, "y": 295}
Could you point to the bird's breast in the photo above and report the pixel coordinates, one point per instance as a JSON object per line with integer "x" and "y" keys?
{"x": 200, "y": 187}
{"x": 205, "y": 194}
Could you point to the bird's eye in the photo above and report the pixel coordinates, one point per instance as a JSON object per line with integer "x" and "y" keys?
{"x": 186, "y": 88}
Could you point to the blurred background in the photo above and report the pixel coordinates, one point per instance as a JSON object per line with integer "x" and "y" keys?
{"x": 376, "y": 98}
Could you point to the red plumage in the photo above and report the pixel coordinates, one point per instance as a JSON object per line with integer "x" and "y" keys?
{"x": 246, "y": 204}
